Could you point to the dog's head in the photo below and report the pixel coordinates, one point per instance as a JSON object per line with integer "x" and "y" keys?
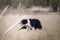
{"x": 23, "y": 22}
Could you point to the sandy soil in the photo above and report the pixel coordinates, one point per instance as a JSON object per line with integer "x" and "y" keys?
{"x": 50, "y": 22}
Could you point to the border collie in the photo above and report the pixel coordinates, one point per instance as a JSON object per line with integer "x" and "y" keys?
{"x": 30, "y": 23}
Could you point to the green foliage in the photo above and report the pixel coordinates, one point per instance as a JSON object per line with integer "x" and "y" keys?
{"x": 2, "y": 3}
{"x": 55, "y": 4}
{"x": 14, "y": 3}
{"x": 28, "y": 3}
{"x": 41, "y": 2}
{"x": 36, "y": 2}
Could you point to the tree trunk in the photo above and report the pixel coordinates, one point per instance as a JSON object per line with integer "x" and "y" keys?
{"x": 55, "y": 9}
{"x": 59, "y": 8}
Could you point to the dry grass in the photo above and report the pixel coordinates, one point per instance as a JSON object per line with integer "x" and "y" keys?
{"x": 50, "y": 23}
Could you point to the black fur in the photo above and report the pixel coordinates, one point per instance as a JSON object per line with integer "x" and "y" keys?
{"x": 33, "y": 22}
{"x": 23, "y": 27}
{"x": 24, "y": 21}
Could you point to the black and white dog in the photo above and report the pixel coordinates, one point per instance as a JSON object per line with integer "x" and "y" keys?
{"x": 30, "y": 23}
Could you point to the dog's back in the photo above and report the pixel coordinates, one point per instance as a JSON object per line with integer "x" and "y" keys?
{"x": 35, "y": 23}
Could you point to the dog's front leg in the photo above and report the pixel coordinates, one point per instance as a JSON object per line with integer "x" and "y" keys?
{"x": 28, "y": 28}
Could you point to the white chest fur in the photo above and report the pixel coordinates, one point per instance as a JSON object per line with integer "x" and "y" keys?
{"x": 28, "y": 24}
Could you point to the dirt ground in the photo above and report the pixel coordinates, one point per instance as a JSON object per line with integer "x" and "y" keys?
{"x": 50, "y": 26}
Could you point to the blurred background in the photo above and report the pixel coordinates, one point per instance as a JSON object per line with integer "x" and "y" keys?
{"x": 47, "y": 11}
{"x": 53, "y": 4}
